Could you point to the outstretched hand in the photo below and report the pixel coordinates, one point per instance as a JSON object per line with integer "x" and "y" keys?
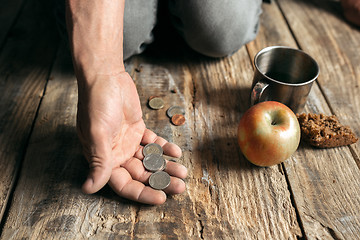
{"x": 113, "y": 133}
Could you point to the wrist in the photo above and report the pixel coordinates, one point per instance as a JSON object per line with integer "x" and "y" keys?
{"x": 89, "y": 82}
{"x": 91, "y": 68}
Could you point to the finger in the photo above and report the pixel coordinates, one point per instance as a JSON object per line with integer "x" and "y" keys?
{"x": 137, "y": 171}
{"x": 99, "y": 175}
{"x": 99, "y": 156}
{"x": 139, "y": 153}
{"x": 176, "y": 186}
{"x": 170, "y": 149}
{"x": 176, "y": 169}
{"x": 122, "y": 183}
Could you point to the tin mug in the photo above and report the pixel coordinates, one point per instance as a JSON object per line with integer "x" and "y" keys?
{"x": 285, "y": 75}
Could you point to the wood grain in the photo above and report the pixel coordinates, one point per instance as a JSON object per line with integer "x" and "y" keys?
{"x": 24, "y": 66}
{"x": 321, "y": 181}
{"x": 244, "y": 201}
{"x": 332, "y": 207}
{"x": 313, "y": 195}
{"x": 47, "y": 167}
{"x": 335, "y": 44}
{"x": 226, "y": 197}
{"x": 48, "y": 202}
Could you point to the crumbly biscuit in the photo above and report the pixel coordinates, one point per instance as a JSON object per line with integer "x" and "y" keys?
{"x": 324, "y": 131}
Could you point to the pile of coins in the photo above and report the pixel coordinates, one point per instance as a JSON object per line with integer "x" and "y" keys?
{"x": 175, "y": 113}
{"x": 154, "y": 162}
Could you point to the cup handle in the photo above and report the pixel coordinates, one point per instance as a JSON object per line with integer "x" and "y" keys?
{"x": 257, "y": 92}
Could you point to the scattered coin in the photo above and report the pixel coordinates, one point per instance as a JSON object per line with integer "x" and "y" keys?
{"x": 154, "y": 162}
{"x": 152, "y": 148}
{"x": 156, "y": 103}
{"x": 178, "y": 119}
{"x": 159, "y": 180}
{"x": 174, "y": 110}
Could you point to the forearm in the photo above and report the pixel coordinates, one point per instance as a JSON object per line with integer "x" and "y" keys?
{"x": 96, "y": 37}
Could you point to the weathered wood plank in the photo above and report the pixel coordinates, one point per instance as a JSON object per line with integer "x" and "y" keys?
{"x": 322, "y": 22}
{"x": 8, "y": 12}
{"x": 239, "y": 200}
{"x": 48, "y": 202}
{"x": 167, "y": 77}
{"x": 226, "y": 197}
{"x": 323, "y": 33}
{"x": 24, "y": 66}
{"x": 36, "y": 192}
{"x": 325, "y": 183}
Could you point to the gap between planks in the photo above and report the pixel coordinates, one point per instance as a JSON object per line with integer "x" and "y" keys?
{"x": 298, "y": 44}
{"x": 18, "y": 167}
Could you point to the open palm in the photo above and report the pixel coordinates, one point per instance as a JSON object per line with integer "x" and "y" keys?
{"x": 112, "y": 132}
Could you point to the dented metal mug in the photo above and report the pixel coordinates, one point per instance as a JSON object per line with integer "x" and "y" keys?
{"x": 285, "y": 75}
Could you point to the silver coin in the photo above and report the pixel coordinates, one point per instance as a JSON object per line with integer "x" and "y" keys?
{"x": 163, "y": 166}
{"x": 156, "y": 103}
{"x": 159, "y": 180}
{"x": 154, "y": 162}
{"x": 174, "y": 110}
{"x": 152, "y": 148}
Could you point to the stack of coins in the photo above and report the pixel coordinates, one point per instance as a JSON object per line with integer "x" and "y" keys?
{"x": 155, "y": 163}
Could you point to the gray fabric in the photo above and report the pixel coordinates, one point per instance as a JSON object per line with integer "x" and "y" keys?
{"x": 215, "y": 28}
{"x": 139, "y": 21}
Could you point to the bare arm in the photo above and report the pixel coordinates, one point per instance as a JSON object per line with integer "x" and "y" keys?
{"x": 109, "y": 117}
{"x": 96, "y": 36}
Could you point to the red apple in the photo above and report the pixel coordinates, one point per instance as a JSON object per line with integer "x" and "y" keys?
{"x": 268, "y": 133}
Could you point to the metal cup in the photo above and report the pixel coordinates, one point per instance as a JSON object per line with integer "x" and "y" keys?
{"x": 285, "y": 75}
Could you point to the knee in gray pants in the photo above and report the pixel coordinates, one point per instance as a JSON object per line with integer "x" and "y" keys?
{"x": 212, "y": 27}
{"x": 216, "y": 28}
{"x": 139, "y": 21}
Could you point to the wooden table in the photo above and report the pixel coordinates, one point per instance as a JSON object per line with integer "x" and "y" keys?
{"x": 313, "y": 195}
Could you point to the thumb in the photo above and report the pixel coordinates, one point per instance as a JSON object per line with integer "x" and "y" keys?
{"x": 99, "y": 173}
